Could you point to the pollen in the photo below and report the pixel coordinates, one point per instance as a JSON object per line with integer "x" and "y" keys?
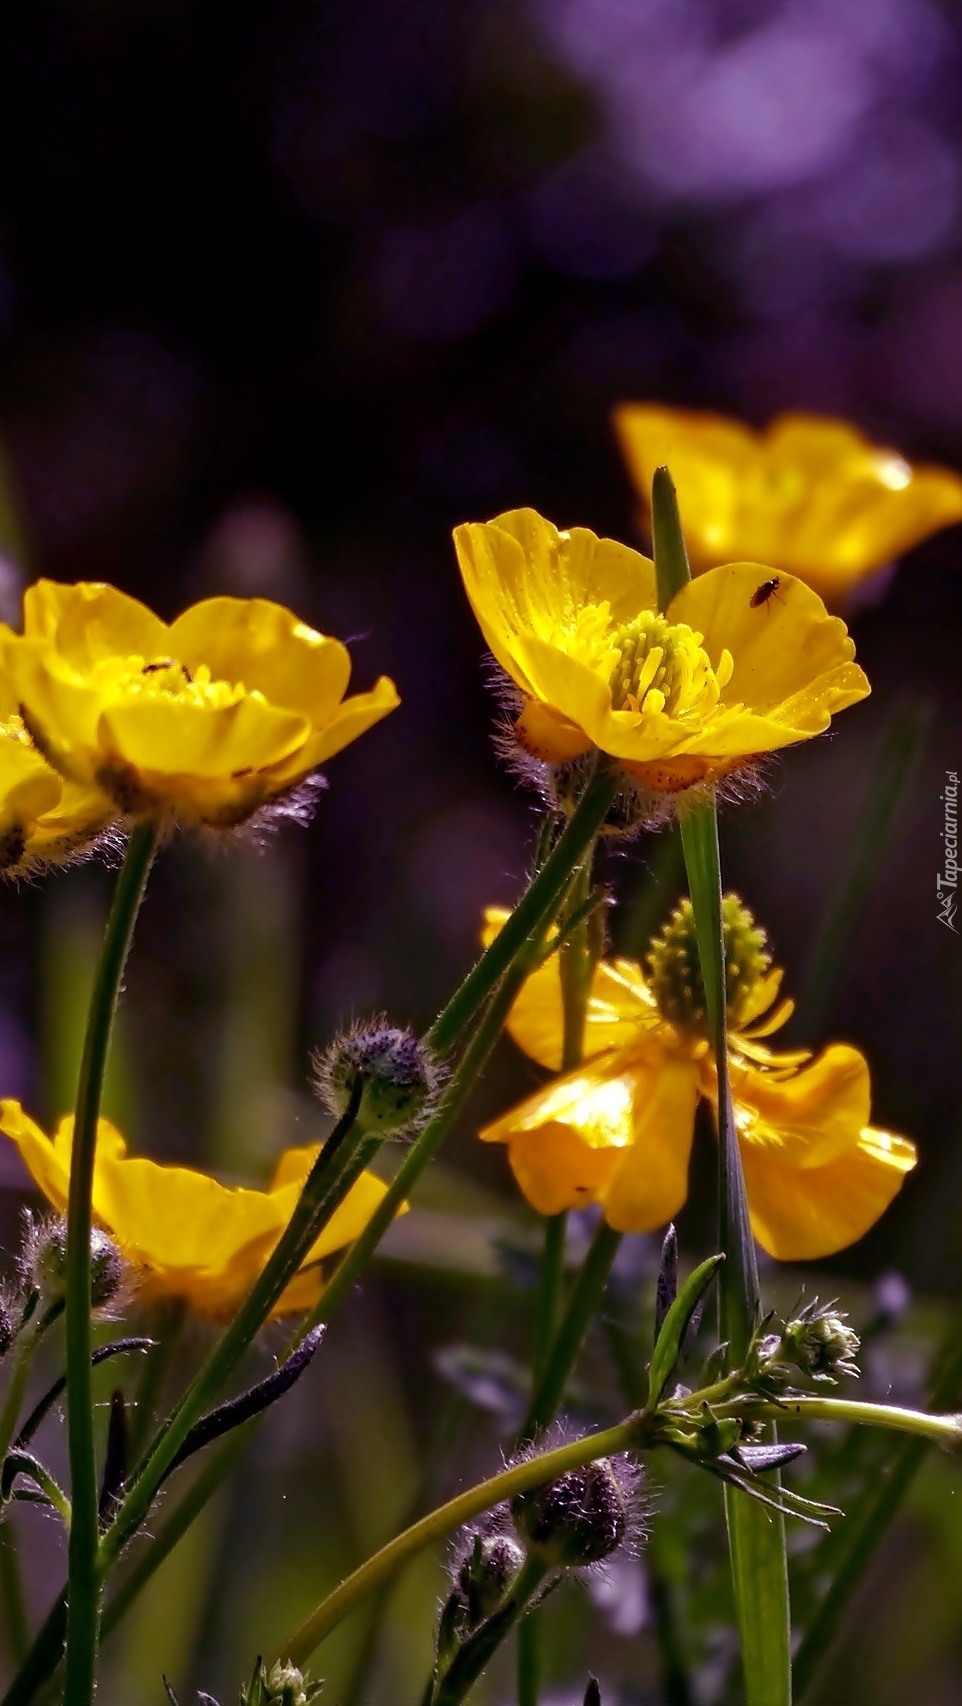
{"x": 662, "y": 667}
{"x": 168, "y": 678}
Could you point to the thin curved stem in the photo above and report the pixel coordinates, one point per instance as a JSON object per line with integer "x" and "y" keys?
{"x": 84, "y": 1584}
{"x": 532, "y": 1472}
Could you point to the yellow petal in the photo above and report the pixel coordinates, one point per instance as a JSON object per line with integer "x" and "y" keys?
{"x": 547, "y": 736}
{"x": 169, "y": 737}
{"x": 791, "y": 658}
{"x": 650, "y": 1183}
{"x": 349, "y": 720}
{"x": 525, "y": 577}
{"x": 809, "y": 1118}
{"x": 91, "y": 621}
{"x": 261, "y": 644}
{"x": 800, "y": 1214}
{"x": 618, "y": 1131}
{"x": 620, "y": 1005}
{"x": 45, "y": 1166}
{"x": 809, "y": 495}
{"x": 175, "y": 1218}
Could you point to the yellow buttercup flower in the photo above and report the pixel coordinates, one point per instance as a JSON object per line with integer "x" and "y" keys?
{"x": 205, "y": 720}
{"x": 810, "y": 495}
{"x": 43, "y": 819}
{"x": 183, "y": 1233}
{"x": 618, "y": 1130}
{"x": 676, "y": 699}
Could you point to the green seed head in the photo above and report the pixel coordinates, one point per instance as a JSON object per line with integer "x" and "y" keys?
{"x": 675, "y": 970}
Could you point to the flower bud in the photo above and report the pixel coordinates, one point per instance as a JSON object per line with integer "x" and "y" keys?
{"x": 578, "y": 1519}
{"x": 820, "y": 1343}
{"x": 45, "y": 1263}
{"x": 282, "y": 1685}
{"x": 399, "y": 1077}
{"x": 487, "y": 1573}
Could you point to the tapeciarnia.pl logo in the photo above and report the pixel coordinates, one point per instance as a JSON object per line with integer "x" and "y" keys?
{"x": 947, "y": 882}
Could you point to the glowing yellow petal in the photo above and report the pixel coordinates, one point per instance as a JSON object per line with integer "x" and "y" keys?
{"x": 619, "y": 1006}
{"x": 799, "y": 1214}
{"x": 650, "y": 1183}
{"x": 354, "y": 717}
{"x": 618, "y": 1131}
{"x": 45, "y": 1166}
{"x": 172, "y": 1217}
{"x": 791, "y": 659}
{"x": 91, "y": 621}
{"x": 810, "y": 495}
{"x": 547, "y": 736}
{"x": 807, "y": 1119}
{"x": 263, "y": 645}
{"x": 525, "y": 577}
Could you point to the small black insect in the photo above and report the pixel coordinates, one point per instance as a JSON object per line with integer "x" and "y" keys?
{"x": 767, "y": 590}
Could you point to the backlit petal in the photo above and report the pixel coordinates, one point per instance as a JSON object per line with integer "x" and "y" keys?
{"x": 807, "y": 1119}
{"x": 799, "y": 1214}
{"x": 261, "y": 644}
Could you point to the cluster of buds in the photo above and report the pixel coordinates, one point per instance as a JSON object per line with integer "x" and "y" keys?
{"x": 523, "y": 1550}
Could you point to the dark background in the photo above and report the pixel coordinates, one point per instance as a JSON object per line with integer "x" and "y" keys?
{"x": 286, "y": 291}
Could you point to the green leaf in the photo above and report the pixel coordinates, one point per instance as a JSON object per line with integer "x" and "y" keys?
{"x": 672, "y": 1336}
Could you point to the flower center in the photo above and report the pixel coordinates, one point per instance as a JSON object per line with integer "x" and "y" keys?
{"x": 662, "y": 666}
{"x": 166, "y": 678}
{"x": 675, "y": 970}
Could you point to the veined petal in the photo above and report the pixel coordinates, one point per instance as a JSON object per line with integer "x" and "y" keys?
{"x": 347, "y": 1222}
{"x": 808, "y": 1119}
{"x": 525, "y": 577}
{"x": 617, "y": 1131}
{"x": 619, "y": 1005}
{"x": 171, "y": 737}
{"x": 799, "y": 1214}
{"x": 650, "y": 1183}
{"x": 45, "y": 1166}
{"x": 349, "y": 720}
{"x": 263, "y": 645}
{"x": 173, "y": 1217}
{"x": 90, "y": 621}
{"x": 783, "y": 649}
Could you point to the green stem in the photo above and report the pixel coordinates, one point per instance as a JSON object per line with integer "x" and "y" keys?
{"x": 756, "y": 1537}
{"x": 582, "y": 1306}
{"x": 83, "y": 1577}
{"x": 27, "y": 1342}
{"x": 529, "y": 1661}
{"x": 537, "y": 908}
{"x": 172, "y": 1531}
{"x": 520, "y": 1478}
{"x": 11, "y": 1587}
{"x": 550, "y": 1287}
{"x": 342, "y": 1159}
{"x": 476, "y": 1652}
{"x": 428, "y": 1143}
{"x": 937, "y": 1430}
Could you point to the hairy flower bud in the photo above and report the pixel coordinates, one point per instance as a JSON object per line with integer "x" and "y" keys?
{"x": 398, "y": 1076}
{"x": 578, "y": 1519}
{"x": 45, "y": 1263}
{"x": 487, "y": 1573}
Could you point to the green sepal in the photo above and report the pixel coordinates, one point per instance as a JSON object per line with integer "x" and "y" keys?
{"x": 671, "y": 1339}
